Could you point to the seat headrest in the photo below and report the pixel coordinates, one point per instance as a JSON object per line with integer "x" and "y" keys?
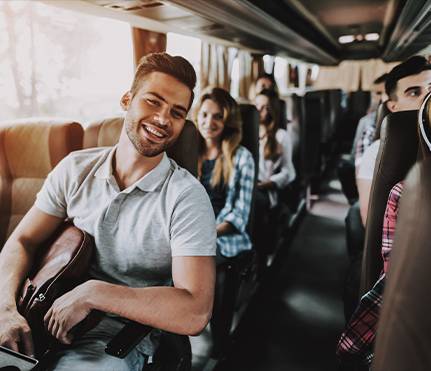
{"x": 107, "y": 132}
{"x": 29, "y": 150}
{"x": 185, "y": 150}
{"x": 397, "y": 154}
{"x": 283, "y": 114}
{"x": 404, "y": 332}
{"x": 33, "y": 148}
{"x": 250, "y": 130}
{"x": 382, "y": 112}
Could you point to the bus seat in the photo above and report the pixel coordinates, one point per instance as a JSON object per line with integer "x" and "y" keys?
{"x": 404, "y": 329}
{"x": 358, "y": 103}
{"x": 106, "y": 132}
{"x": 250, "y": 138}
{"x": 335, "y": 97}
{"x": 103, "y": 133}
{"x": 382, "y": 112}
{"x": 29, "y": 151}
{"x": 311, "y": 128}
{"x": 397, "y": 154}
{"x": 297, "y": 123}
{"x": 283, "y": 114}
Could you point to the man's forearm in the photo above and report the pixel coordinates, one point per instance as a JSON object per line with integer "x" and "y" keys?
{"x": 15, "y": 262}
{"x": 168, "y": 308}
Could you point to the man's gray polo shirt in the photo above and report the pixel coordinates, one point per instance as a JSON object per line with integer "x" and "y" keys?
{"x": 165, "y": 213}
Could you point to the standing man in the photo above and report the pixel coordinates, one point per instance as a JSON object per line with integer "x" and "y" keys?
{"x": 152, "y": 223}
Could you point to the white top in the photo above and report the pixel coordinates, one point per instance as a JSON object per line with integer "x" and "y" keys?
{"x": 282, "y": 171}
{"x": 366, "y": 168}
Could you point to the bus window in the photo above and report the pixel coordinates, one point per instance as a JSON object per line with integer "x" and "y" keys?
{"x": 188, "y": 47}
{"x": 56, "y": 62}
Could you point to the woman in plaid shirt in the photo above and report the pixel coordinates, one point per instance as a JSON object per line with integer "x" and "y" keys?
{"x": 226, "y": 169}
{"x": 360, "y": 332}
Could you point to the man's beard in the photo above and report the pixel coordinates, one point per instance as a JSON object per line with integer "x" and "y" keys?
{"x": 146, "y": 149}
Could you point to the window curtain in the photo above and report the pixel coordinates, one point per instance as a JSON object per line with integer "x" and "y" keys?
{"x": 371, "y": 70}
{"x": 216, "y": 66}
{"x": 257, "y": 69}
{"x": 146, "y": 42}
{"x": 346, "y": 76}
{"x": 352, "y": 75}
{"x": 250, "y": 67}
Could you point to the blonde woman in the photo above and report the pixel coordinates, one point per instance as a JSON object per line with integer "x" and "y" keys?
{"x": 226, "y": 169}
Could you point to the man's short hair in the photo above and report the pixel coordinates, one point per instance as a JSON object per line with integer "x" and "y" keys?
{"x": 380, "y": 79}
{"x": 412, "y": 66}
{"x": 175, "y": 66}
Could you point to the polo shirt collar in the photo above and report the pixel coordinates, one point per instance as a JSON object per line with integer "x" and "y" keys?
{"x": 150, "y": 182}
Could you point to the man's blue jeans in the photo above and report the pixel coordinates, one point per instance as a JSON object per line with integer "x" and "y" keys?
{"x": 88, "y": 352}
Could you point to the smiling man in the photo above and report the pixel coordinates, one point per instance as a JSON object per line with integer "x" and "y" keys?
{"x": 152, "y": 223}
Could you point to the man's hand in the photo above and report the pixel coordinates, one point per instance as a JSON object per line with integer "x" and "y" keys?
{"x": 15, "y": 332}
{"x": 69, "y": 310}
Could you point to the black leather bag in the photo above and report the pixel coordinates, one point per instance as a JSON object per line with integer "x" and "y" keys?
{"x": 59, "y": 267}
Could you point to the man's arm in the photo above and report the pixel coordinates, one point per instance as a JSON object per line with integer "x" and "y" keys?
{"x": 16, "y": 259}
{"x": 183, "y": 309}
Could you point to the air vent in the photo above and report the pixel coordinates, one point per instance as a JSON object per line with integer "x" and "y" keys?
{"x": 132, "y": 6}
{"x": 211, "y": 27}
{"x": 152, "y": 5}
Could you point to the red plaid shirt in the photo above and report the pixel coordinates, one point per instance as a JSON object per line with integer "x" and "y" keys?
{"x": 360, "y": 331}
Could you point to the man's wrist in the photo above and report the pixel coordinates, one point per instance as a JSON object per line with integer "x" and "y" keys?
{"x": 94, "y": 293}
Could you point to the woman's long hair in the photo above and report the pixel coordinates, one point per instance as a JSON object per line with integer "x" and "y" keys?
{"x": 271, "y": 150}
{"x": 231, "y": 136}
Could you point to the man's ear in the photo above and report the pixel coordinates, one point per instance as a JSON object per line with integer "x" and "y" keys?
{"x": 125, "y": 100}
{"x": 392, "y": 105}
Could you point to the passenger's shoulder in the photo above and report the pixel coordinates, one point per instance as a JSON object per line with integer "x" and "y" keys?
{"x": 243, "y": 154}
{"x": 282, "y": 136}
{"x": 181, "y": 178}
{"x": 88, "y": 155}
{"x": 396, "y": 191}
{"x": 83, "y": 158}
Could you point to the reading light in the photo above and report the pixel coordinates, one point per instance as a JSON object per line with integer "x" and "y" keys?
{"x": 345, "y": 39}
{"x": 372, "y": 36}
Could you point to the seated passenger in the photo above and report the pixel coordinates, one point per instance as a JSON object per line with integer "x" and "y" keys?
{"x": 360, "y": 332}
{"x": 276, "y": 168}
{"x": 366, "y": 130}
{"x": 226, "y": 169}
{"x": 406, "y": 86}
{"x": 152, "y": 223}
{"x": 266, "y": 81}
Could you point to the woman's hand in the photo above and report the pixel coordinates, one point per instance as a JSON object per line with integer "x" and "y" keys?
{"x": 266, "y": 185}
{"x": 224, "y": 229}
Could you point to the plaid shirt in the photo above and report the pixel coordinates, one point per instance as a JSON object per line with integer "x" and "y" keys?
{"x": 360, "y": 331}
{"x": 237, "y": 207}
{"x": 366, "y": 137}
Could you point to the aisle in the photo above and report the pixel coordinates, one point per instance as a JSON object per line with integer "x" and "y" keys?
{"x": 295, "y": 320}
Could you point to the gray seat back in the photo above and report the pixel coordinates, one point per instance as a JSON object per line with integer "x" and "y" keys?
{"x": 404, "y": 330}
{"x": 397, "y": 154}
